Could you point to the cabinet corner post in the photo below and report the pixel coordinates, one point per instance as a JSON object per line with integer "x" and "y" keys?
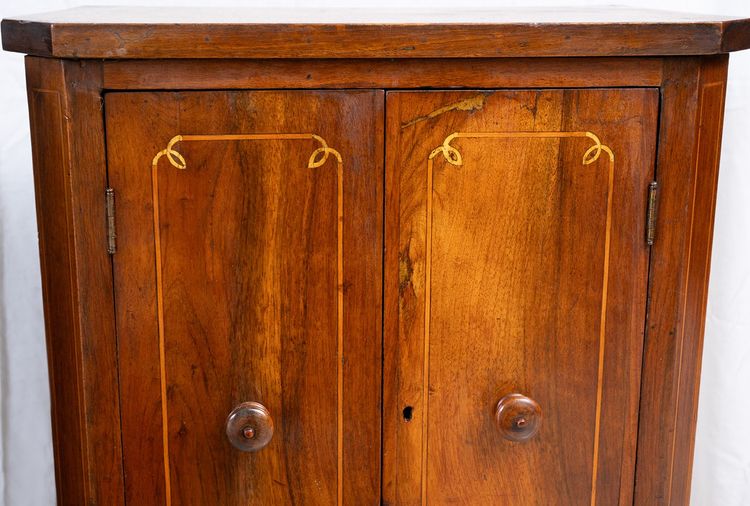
{"x": 68, "y": 143}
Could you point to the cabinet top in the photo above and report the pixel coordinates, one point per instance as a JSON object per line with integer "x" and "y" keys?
{"x": 176, "y": 32}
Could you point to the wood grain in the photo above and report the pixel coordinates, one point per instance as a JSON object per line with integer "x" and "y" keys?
{"x": 70, "y": 177}
{"x": 687, "y": 171}
{"x": 265, "y": 298}
{"x": 379, "y": 73}
{"x": 146, "y": 33}
{"x": 510, "y": 295}
{"x": 248, "y": 252}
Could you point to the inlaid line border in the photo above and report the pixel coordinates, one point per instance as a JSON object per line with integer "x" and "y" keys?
{"x": 453, "y": 156}
{"x": 318, "y": 158}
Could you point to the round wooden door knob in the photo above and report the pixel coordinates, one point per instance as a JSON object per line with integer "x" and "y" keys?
{"x": 518, "y": 417}
{"x": 249, "y": 427}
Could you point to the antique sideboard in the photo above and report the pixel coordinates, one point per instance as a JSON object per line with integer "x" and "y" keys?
{"x": 361, "y": 257}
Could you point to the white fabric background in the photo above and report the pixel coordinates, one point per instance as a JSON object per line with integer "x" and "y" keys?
{"x": 721, "y": 474}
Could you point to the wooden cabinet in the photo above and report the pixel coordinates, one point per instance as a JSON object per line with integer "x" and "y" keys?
{"x": 367, "y": 261}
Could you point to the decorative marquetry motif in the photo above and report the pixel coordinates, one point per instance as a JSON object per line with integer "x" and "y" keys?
{"x": 317, "y": 159}
{"x": 453, "y": 156}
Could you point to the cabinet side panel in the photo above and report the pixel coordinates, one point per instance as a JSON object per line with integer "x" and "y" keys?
{"x": 687, "y": 171}
{"x": 711, "y": 118}
{"x": 45, "y": 108}
{"x": 70, "y": 176}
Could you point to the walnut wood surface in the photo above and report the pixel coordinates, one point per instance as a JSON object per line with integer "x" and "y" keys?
{"x": 176, "y": 32}
{"x": 687, "y": 171}
{"x": 249, "y": 258}
{"x": 515, "y": 280}
{"x": 379, "y": 73}
{"x": 67, "y": 135}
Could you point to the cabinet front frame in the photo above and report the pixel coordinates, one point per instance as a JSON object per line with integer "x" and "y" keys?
{"x": 81, "y": 336}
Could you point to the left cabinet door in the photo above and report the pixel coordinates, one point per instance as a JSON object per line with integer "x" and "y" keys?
{"x": 248, "y": 269}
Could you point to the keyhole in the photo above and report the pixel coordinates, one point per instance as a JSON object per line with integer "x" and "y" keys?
{"x": 408, "y": 413}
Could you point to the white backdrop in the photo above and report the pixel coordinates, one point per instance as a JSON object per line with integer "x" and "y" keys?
{"x": 721, "y": 475}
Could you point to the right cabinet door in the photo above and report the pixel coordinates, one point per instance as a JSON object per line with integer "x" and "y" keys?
{"x": 516, "y": 278}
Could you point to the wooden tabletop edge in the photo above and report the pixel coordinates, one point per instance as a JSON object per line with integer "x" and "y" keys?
{"x": 735, "y": 35}
{"x": 30, "y": 37}
{"x": 109, "y": 40}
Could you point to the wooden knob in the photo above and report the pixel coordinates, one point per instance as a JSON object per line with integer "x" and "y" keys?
{"x": 518, "y": 417}
{"x": 249, "y": 427}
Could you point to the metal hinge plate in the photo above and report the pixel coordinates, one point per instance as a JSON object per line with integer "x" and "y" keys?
{"x": 653, "y": 193}
{"x": 109, "y": 195}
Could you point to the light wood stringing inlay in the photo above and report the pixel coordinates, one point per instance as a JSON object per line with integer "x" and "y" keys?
{"x": 318, "y": 158}
{"x": 453, "y": 156}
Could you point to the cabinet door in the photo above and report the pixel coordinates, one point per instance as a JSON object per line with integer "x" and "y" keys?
{"x": 248, "y": 269}
{"x": 516, "y": 269}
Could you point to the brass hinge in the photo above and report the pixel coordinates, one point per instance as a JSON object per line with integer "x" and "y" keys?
{"x": 653, "y": 191}
{"x": 109, "y": 195}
